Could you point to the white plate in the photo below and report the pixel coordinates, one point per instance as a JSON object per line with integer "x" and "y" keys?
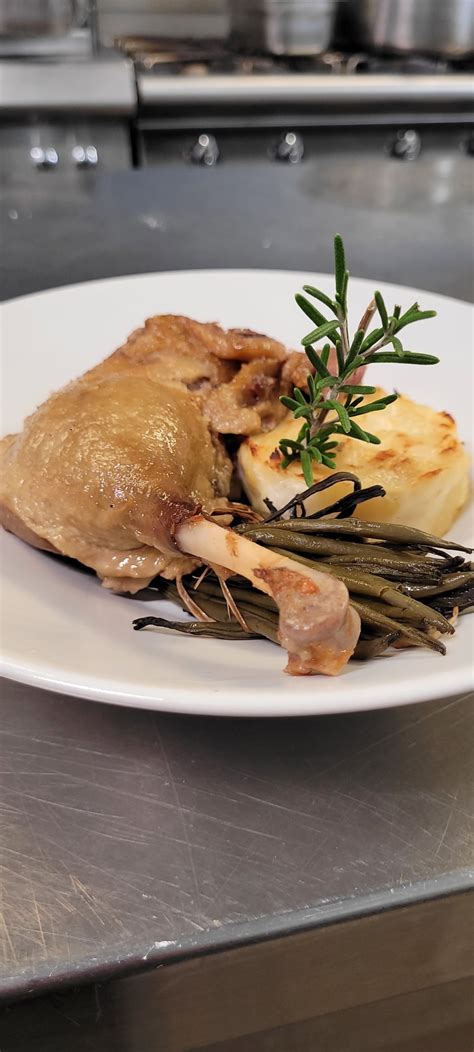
{"x": 62, "y": 631}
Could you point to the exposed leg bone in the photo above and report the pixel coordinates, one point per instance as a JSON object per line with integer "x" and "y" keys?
{"x": 317, "y": 626}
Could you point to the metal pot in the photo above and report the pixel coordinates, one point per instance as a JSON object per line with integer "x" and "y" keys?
{"x": 436, "y": 27}
{"x": 282, "y": 27}
{"x": 32, "y": 18}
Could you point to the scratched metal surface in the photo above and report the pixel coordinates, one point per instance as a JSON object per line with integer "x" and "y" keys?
{"x": 131, "y": 836}
{"x": 401, "y": 223}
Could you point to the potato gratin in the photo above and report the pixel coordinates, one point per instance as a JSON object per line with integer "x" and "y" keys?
{"x": 421, "y": 464}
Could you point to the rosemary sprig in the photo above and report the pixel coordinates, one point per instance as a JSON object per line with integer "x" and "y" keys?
{"x": 338, "y": 392}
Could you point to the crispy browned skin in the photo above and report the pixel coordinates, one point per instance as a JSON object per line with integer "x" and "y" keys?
{"x": 106, "y": 469}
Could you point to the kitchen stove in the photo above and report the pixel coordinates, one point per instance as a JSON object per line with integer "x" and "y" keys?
{"x": 345, "y": 131}
{"x": 202, "y": 102}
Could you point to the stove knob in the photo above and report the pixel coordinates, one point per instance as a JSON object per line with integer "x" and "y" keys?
{"x": 85, "y": 156}
{"x": 44, "y": 158}
{"x": 290, "y": 148}
{"x": 406, "y": 145}
{"x": 205, "y": 151}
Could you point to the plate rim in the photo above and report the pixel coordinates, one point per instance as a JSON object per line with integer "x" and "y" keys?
{"x": 426, "y": 687}
{"x": 400, "y": 695}
{"x": 207, "y": 271}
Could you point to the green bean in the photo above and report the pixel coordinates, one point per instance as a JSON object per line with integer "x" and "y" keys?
{"x": 405, "y": 613}
{"x": 240, "y": 594}
{"x": 377, "y": 587}
{"x": 298, "y": 542}
{"x": 411, "y": 609}
{"x": 260, "y": 621}
{"x": 396, "y": 612}
{"x": 370, "y": 648}
{"x": 212, "y": 629}
{"x": 428, "y": 556}
{"x": 441, "y": 565}
{"x": 358, "y": 581}
{"x": 265, "y": 624}
{"x": 372, "y": 617}
{"x": 449, "y": 583}
{"x": 386, "y": 531}
{"x": 462, "y": 601}
{"x": 389, "y": 568}
{"x": 363, "y": 583}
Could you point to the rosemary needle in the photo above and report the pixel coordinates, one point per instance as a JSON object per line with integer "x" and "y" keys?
{"x": 332, "y": 400}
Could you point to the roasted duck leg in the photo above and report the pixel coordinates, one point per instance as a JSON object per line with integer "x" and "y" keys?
{"x": 125, "y": 470}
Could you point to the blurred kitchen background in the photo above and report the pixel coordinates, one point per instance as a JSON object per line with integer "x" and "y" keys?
{"x": 140, "y": 135}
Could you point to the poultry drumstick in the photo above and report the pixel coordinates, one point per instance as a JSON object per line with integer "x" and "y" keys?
{"x": 126, "y": 471}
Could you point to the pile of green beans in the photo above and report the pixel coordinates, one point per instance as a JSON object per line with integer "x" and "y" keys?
{"x": 402, "y": 582}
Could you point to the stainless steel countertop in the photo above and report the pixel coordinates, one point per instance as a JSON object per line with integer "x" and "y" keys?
{"x": 133, "y": 838}
{"x": 402, "y": 222}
